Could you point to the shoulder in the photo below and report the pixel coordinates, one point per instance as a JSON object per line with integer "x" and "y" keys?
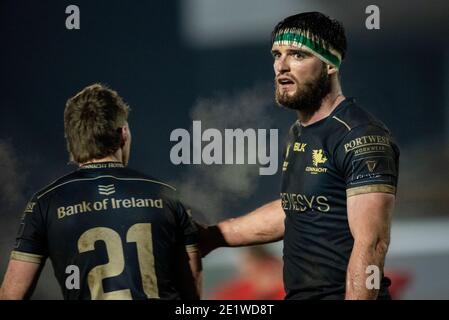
{"x": 59, "y": 182}
{"x": 125, "y": 174}
{"x": 352, "y": 116}
{"x": 354, "y": 122}
{"x": 131, "y": 174}
{"x": 165, "y": 189}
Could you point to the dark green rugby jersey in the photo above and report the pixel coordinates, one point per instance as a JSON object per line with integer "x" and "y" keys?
{"x": 124, "y": 231}
{"x": 347, "y": 153}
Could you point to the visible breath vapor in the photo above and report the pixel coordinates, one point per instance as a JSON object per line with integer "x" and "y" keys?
{"x": 12, "y": 204}
{"x": 12, "y": 200}
{"x": 11, "y": 182}
{"x": 212, "y": 188}
{"x": 12, "y": 197}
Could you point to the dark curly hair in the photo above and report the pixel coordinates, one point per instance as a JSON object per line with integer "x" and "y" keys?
{"x": 326, "y": 31}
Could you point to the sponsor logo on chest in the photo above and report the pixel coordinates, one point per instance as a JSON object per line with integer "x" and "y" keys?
{"x": 318, "y": 160}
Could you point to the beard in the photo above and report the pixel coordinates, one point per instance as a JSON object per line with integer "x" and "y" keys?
{"x": 308, "y": 97}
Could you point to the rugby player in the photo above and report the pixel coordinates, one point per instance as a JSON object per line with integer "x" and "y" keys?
{"x": 122, "y": 232}
{"x": 339, "y": 177}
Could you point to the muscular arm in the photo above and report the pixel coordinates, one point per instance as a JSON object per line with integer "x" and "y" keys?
{"x": 19, "y": 279}
{"x": 369, "y": 217}
{"x": 263, "y": 225}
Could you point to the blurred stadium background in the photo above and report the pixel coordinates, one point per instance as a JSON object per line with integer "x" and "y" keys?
{"x": 183, "y": 60}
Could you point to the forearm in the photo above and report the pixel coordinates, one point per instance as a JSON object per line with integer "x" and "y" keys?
{"x": 364, "y": 255}
{"x": 11, "y": 293}
{"x": 18, "y": 280}
{"x": 263, "y": 225}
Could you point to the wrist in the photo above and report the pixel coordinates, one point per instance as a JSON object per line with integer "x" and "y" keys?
{"x": 217, "y": 238}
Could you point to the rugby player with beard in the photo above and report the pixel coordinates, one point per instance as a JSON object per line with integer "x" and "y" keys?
{"x": 339, "y": 176}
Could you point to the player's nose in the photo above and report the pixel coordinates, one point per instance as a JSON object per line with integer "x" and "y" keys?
{"x": 281, "y": 65}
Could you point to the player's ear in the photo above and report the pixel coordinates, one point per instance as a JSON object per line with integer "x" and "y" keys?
{"x": 331, "y": 69}
{"x": 124, "y": 134}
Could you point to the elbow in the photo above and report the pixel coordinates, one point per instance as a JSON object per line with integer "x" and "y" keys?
{"x": 382, "y": 246}
{"x": 376, "y": 245}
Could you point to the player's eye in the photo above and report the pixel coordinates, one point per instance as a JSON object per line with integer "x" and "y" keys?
{"x": 299, "y": 55}
{"x": 275, "y": 55}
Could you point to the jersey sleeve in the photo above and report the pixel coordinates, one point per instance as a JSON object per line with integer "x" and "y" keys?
{"x": 31, "y": 244}
{"x": 187, "y": 232}
{"x": 369, "y": 161}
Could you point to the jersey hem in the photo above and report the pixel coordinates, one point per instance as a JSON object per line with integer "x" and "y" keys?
{"x": 26, "y": 257}
{"x": 383, "y": 188}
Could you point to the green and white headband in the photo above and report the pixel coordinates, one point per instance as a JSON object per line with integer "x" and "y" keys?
{"x": 298, "y": 38}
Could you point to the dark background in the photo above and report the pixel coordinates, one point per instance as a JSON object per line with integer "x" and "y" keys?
{"x": 166, "y": 61}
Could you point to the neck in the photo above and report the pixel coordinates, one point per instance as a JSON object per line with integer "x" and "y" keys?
{"x": 111, "y": 158}
{"x": 328, "y": 104}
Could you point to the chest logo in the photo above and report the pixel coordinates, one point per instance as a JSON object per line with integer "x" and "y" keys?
{"x": 106, "y": 190}
{"x": 299, "y": 147}
{"x": 318, "y": 158}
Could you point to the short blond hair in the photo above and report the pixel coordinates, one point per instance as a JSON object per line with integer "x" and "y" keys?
{"x": 92, "y": 122}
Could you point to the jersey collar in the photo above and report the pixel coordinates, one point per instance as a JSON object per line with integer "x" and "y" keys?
{"x": 347, "y": 101}
{"x": 102, "y": 165}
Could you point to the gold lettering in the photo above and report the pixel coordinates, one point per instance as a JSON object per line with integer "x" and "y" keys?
{"x": 299, "y": 147}
{"x": 158, "y": 203}
{"x": 86, "y": 206}
{"x": 78, "y": 208}
{"x": 296, "y": 146}
{"x": 324, "y": 203}
{"x": 69, "y": 211}
{"x": 126, "y": 203}
{"x": 366, "y": 140}
{"x": 310, "y": 203}
{"x": 98, "y": 206}
{"x": 140, "y": 203}
{"x": 292, "y": 201}
{"x": 61, "y": 212}
{"x": 302, "y": 206}
{"x": 314, "y": 170}
{"x": 304, "y": 203}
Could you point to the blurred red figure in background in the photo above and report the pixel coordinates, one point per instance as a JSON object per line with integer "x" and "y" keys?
{"x": 400, "y": 279}
{"x": 260, "y": 278}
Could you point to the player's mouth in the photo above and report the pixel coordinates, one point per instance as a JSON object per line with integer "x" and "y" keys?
{"x": 285, "y": 83}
